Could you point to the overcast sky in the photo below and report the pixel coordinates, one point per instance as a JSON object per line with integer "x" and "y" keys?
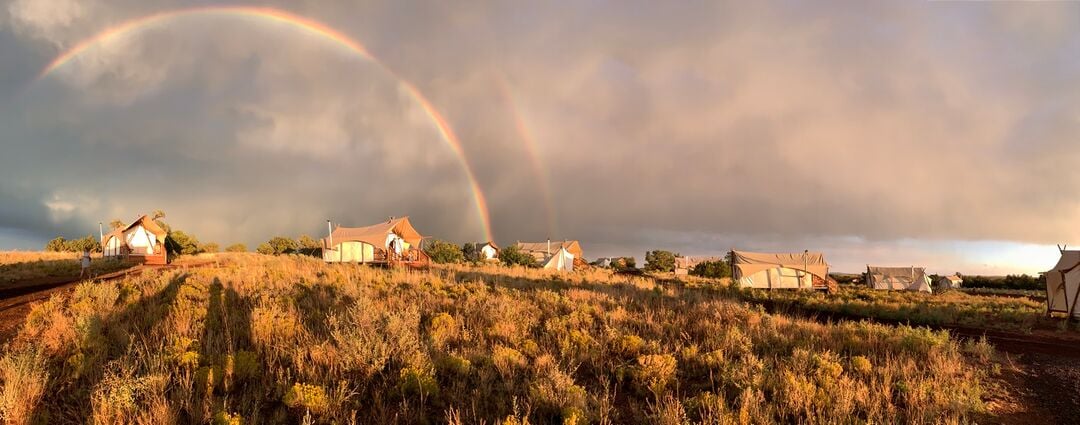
{"x": 941, "y": 134}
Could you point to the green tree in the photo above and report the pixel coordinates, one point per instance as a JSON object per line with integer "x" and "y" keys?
{"x": 236, "y": 247}
{"x": 58, "y": 244}
{"x": 88, "y": 243}
{"x": 278, "y": 245}
{"x": 513, "y": 256}
{"x": 308, "y": 245}
{"x": 620, "y": 264}
{"x": 471, "y": 251}
{"x": 444, "y": 252}
{"x": 180, "y": 243}
{"x": 660, "y": 261}
{"x": 116, "y": 224}
{"x": 210, "y": 247}
{"x": 265, "y": 249}
{"x": 713, "y": 269}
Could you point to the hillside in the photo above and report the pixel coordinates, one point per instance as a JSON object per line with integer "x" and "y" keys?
{"x": 289, "y": 339}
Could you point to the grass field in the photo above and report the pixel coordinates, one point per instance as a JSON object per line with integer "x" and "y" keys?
{"x": 33, "y": 267}
{"x": 958, "y": 308}
{"x": 290, "y": 339}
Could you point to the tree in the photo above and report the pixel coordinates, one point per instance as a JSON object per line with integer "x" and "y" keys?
{"x": 89, "y": 243}
{"x": 210, "y": 247}
{"x": 660, "y": 261}
{"x": 59, "y": 244}
{"x": 116, "y": 224}
{"x": 444, "y": 252}
{"x": 180, "y": 243}
{"x": 265, "y": 249}
{"x": 308, "y": 246}
{"x": 713, "y": 269}
{"x": 513, "y": 256}
{"x": 620, "y": 264}
{"x": 471, "y": 251}
{"x": 278, "y": 245}
{"x": 236, "y": 247}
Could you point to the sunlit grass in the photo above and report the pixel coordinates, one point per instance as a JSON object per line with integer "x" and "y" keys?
{"x": 284, "y": 339}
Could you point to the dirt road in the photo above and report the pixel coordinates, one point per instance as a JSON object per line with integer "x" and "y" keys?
{"x": 15, "y": 302}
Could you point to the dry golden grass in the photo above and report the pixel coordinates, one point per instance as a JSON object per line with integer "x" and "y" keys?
{"x": 19, "y": 267}
{"x": 954, "y": 308}
{"x": 290, "y": 339}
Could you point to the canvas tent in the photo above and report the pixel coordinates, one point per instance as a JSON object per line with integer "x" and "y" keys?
{"x": 949, "y": 282}
{"x": 898, "y": 278}
{"x": 559, "y": 260}
{"x": 393, "y": 241}
{"x": 779, "y": 270}
{"x": 557, "y": 255}
{"x": 489, "y": 252}
{"x": 1063, "y": 285}
{"x": 142, "y": 241}
{"x": 550, "y": 247}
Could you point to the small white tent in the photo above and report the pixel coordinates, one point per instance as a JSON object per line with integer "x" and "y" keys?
{"x": 560, "y": 260}
{"x": 489, "y": 252}
{"x": 898, "y": 278}
{"x": 1063, "y": 285}
{"x": 949, "y": 282}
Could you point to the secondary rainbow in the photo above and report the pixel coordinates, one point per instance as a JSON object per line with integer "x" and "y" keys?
{"x": 526, "y": 135}
{"x": 306, "y": 25}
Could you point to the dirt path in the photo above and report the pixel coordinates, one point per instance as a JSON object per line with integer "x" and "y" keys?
{"x": 15, "y": 302}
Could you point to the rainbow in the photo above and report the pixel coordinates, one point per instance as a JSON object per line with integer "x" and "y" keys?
{"x": 526, "y": 135}
{"x": 309, "y": 26}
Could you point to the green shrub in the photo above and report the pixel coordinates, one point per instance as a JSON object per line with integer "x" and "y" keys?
{"x": 513, "y": 256}
{"x": 654, "y": 372}
{"x": 660, "y": 261}
{"x": 307, "y": 397}
{"x": 444, "y": 252}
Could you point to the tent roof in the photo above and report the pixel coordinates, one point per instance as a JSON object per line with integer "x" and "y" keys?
{"x": 572, "y": 247}
{"x": 896, "y": 271}
{"x": 375, "y": 234}
{"x": 492, "y": 243}
{"x": 1068, "y": 260}
{"x": 147, "y": 223}
{"x": 748, "y": 263}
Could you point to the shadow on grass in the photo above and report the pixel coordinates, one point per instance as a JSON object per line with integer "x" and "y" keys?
{"x": 109, "y": 338}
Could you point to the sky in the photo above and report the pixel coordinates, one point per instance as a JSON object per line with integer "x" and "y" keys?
{"x": 937, "y": 134}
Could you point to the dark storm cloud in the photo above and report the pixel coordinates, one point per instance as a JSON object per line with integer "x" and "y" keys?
{"x": 693, "y": 126}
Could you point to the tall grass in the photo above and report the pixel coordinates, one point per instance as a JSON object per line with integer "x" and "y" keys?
{"x": 290, "y": 339}
{"x": 955, "y": 308}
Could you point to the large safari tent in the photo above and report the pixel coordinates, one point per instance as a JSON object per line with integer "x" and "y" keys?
{"x": 142, "y": 241}
{"x": 898, "y": 278}
{"x": 394, "y": 241}
{"x": 804, "y": 270}
{"x": 1063, "y": 285}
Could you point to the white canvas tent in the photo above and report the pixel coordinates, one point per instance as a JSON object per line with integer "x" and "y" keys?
{"x": 778, "y": 270}
{"x": 1063, "y": 285}
{"x": 559, "y": 260}
{"x": 898, "y": 278}
{"x": 489, "y": 252}
{"x": 949, "y": 282}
